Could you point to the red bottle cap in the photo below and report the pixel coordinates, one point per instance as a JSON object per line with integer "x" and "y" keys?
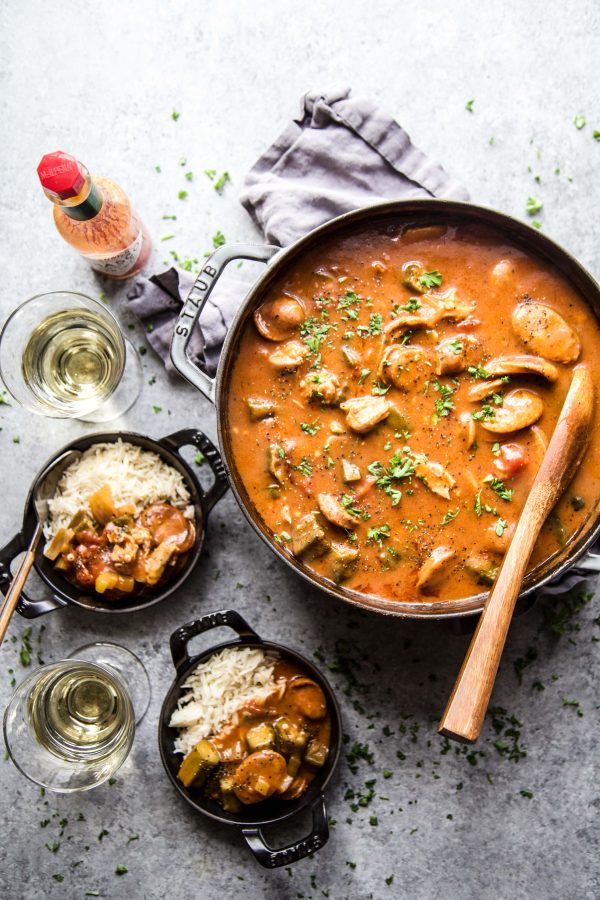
{"x": 61, "y": 175}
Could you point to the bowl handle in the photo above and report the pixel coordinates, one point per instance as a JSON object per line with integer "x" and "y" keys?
{"x": 192, "y": 308}
{"x": 26, "y": 607}
{"x": 192, "y": 437}
{"x": 180, "y": 638}
{"x": 271, "y": 858}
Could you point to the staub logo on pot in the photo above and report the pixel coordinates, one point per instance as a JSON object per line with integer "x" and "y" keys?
{"x": 196, "y": 298}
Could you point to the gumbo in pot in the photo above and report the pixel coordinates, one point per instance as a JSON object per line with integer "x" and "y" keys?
{"x": 392, "y": 399}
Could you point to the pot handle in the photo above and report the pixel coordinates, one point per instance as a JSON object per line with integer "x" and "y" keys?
{"x": 192, "y": 308}
{"x": 272, "y": 859}
{"x": 229, "y": 617}
{"x": 26, "y": 607}
{"x": 192, "y": 437}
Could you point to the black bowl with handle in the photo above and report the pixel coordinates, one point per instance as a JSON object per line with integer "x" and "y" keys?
{"x": 251, "y": 819}
{"x": 62, "y": 591}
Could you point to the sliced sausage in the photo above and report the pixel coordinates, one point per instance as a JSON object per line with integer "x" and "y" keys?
{"x": 545, "y": 332}
{"x": 520, "y": 409}
{"x": 456, "y": 353}
{"x": 334, "y": 512}
{"x": 522, "y": 365}
{"x": 277, "y": 320}
{"x": 259, "y": 775}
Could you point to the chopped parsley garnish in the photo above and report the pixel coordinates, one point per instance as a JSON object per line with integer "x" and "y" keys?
{"x": 218, "y": 239}
{"x": 450, "y": 515}
{"x": 579, "y": 122}
{"x": 444, "y": 403}
{"x": 175, "y": 115}
{"x": 401, "y": 466}
{"x": 498, "y": 487}
{"x": 304, "y": 467}
{"x": 412, "y": 305}
{"x": 486, "y": 412}
{"x": 199, "y": 458}
{"x": 347, "y": 501}
{"x": 375, "y": 323}
{"x": 221, "y": 182}
{"x": 533, "y": 206}
{"x": 469, "y": 105}
{"x": 378, "y": 535}
{"x": 496, "y": 449}
{"x": 456, "y": 346}
{"x": 313, "y": 333}
{"x": 310, "y": 427}
{"x": 364, "y": 373}
{"x": 431, "y": 279}
{"x": 349, "y": 299}
{"x": 477, "y": 372}
{"x": 500, "y": 526}
{"x": 189, "y": 176}
{"x": 380, "y": 389}
{"x": 596, "y": 135}
{"x": 121, "y": 869}
{"x": 182, "y": 195}
{"x": 26, "y": 649}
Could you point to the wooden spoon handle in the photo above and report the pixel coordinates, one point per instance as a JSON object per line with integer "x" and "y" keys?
{"x": 11, "y": 597}
{"x": 465, "y": 712}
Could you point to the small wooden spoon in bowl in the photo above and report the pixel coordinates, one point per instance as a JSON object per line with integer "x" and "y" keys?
{"x": 465, "y": 712}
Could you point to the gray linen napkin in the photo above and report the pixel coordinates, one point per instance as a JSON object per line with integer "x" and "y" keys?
{"x": 340, "y": 153}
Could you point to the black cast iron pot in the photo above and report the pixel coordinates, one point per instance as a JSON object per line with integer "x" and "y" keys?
{"x": 389, "y": 217}
{"x": 64, "y": 592}
{"x": 252, "y": 818}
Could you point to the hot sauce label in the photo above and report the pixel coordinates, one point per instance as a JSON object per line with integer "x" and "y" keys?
{"x": 117, "y": 263}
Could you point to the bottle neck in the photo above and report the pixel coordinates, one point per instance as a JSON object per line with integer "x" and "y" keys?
{"x": 86, "y": 208}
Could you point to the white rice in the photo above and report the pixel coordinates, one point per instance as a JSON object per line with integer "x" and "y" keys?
{"x": 217, "y": 688}
{"x": 135, "y": 476}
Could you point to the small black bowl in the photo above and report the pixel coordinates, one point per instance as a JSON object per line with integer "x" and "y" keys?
{"x": 64, "y": 592}
{"x": 252, "y": 818}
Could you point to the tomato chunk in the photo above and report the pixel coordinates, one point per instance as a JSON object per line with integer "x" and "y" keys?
{"x": 512, "y": 459}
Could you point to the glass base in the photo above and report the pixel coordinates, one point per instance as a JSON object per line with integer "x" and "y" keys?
{"x": 127, "y": 665}
{"x": 126, "y": 392}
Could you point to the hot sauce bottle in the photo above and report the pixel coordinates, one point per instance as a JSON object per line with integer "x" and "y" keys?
{"x": 94, "y": 215}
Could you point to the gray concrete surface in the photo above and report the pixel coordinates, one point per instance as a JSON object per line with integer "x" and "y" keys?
{"x": 101, "y": 81}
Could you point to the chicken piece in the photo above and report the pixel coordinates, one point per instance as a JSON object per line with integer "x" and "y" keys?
{"x": 434, "y": 569}
{"x": 276, "y": 463}
{"x": 468, "y": 429}
{"x": 322, "y": 385}
{"x": 496, "y": 537}
{"x": 456, "y": 353}
{"x": 260, "y": 408}
{"x": 483, "y": 566}
{"x": 484, "y": 389}
{"x": 123, "y": 555}
{"x": 334, "y": 512}
{"x": 278, "y": 319}
{"x": 435, "y": 477}
{"x": 511, "y": 459}
{"x": 345, "y": 559}
{"x": 259, "y": 776}
{"x": 433, "y": 308}
{"x": 411, "y": 276}
{"x": 364, "y": 413}
{"x": 519, "y": 409}
{"x": 350, "y": 472}
{"x": 522, "y": 364}
{"x": 288, "y": 356}
{"x": 150, "y": 569}
{"x": 308, "y": 536}
{"x": 405, "y": 366}
{"x": 351, "y": 356}
{"x": 502, "y": 271}
{"x": 545, "y": 332}
{"x": 308, "y": 697}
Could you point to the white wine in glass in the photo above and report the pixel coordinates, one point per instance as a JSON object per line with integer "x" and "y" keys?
{"x": 63, "y": 355}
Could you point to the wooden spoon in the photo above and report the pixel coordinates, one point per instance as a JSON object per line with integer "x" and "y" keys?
{"x": 43, "y": 489}
{"x": 465, "y": 712}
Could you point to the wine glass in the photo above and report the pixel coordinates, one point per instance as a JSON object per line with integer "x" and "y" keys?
{"x": 70, "y": 725}
{"x": 63, "y": 355}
